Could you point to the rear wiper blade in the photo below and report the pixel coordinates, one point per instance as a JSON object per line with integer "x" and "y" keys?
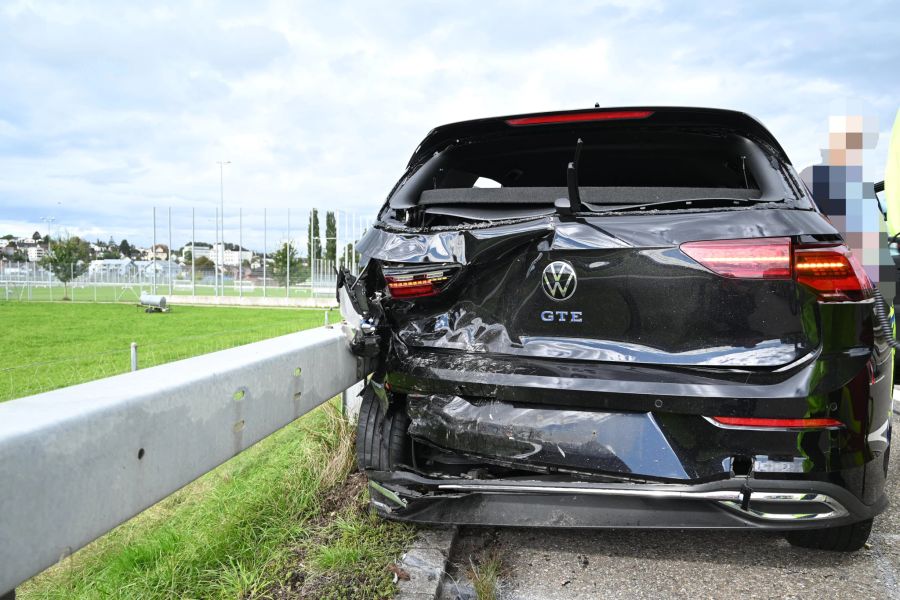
{"x": 687, "y": 202}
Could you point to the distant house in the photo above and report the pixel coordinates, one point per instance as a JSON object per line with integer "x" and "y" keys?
{"x": 112, "y": 266}
{"x": 163, "y": 268}
{"x": 161, "y": 252}
{"x": 35, "y": 253}
{"x": 197, "y": 250}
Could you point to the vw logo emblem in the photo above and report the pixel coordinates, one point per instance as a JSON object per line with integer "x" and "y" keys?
{"x": 559, "y": 280}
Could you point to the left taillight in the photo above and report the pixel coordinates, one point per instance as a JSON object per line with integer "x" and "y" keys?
{"x": 404, "y": 282}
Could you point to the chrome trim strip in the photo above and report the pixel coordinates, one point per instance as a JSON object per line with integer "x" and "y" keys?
{"x": 730, "y": 499}
{"x": 837, "y": 510}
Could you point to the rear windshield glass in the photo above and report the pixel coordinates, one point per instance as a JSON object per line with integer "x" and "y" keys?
{"x": 621, "y": 167}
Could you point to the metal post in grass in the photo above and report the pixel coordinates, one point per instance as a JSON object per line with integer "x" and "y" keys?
{"x": 134, "y": 364}
{"x": 153, "y": 255}
{"x": 265, "y": 260}
{"x": 169, "y": 253}
{"x": 241, "y": 252}
{"x": 193, "y": 254}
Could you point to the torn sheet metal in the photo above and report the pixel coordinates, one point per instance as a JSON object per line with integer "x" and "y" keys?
{"x": 587, "y": 441}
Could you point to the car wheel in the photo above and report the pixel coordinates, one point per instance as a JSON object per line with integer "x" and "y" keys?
{"x": 846, "y": 538}
{"x": 381, "y": 440}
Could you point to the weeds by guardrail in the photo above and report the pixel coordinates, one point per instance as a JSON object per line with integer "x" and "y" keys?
{"x": 79, "y": 461}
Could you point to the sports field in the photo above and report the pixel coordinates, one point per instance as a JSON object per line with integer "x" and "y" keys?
{"x": 285, "y": 518}
{"x": 103, "y": 292}
{"x": 51, "y": 345}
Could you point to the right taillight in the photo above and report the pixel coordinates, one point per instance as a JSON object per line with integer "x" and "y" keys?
{"x": 829, "y": 270}
{"x": 833, "y": 272}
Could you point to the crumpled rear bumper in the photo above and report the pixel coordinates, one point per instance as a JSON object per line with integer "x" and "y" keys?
{"x": 738, "y": 503}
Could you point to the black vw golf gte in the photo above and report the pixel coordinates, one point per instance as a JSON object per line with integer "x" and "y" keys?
{"x": 627, "y": 317}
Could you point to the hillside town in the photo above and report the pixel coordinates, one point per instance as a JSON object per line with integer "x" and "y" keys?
{"x": 112, "y": 255}
{"x": 25, "y": 257}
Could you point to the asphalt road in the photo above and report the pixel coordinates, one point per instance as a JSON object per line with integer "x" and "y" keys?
{"x": 551, "y": 564}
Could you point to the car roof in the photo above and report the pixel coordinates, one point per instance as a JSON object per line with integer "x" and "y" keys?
{"x": 649, "y": 116}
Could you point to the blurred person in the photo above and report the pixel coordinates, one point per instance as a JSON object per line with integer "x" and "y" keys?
{"x": 841, "y": 193}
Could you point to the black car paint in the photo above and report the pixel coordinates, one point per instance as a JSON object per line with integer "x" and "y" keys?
{"x": 591, "y": 409}
{"x": 631, "y": 274}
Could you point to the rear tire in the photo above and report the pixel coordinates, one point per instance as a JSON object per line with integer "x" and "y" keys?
{"x": 381, "y": 440}
{"x": 846, "y": 538}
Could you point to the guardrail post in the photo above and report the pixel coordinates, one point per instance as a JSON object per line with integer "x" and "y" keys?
{"x": 134, "y": 366}
{"x": 350, "y": 401}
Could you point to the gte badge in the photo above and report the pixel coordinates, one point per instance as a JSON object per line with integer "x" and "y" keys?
{"x": 558, "y": 280}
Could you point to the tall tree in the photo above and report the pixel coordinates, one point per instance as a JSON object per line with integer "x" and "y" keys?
{"x": 125, "y": 248}
{"x": 330, "y": 237}
{"x": 315, "y": 240}
{"x": 280, "y": 260}
{"x": 36, "y": 236}
{"x": 346, "y": 255}
{"x": 67, "y": 260}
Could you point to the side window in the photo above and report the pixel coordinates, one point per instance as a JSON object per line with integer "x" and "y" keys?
{"x": 486, "y": 182}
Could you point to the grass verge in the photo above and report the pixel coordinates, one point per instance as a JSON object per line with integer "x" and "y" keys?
{"x": 485, "y": 574}
{"x": 56, "y": 345}
{"x": 282, "y": 520}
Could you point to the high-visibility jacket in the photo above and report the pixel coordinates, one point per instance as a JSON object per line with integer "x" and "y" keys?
{"x": 892, "y": 180}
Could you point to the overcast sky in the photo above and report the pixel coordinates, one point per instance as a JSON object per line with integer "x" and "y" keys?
{"x": 109, "y": 109}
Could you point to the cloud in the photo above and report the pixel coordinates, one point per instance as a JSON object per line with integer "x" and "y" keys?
{"x": 108, "y": 109}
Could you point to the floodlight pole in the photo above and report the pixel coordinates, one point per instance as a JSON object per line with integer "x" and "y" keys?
{"x": 222, "y": 164}
{"x": 169, "y": 253}
{"x": 153, "y": 254}
{"x": 215, "y": 256}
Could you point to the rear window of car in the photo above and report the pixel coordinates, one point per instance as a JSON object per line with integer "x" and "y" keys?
{"x": 614, "y": 167}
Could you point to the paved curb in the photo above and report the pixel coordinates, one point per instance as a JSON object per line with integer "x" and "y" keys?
{"x": 426, "y": 562}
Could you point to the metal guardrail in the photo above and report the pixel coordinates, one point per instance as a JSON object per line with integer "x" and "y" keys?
{"x": 78, "y": 461}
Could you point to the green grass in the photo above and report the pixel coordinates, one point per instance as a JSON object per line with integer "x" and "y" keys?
{"x": 52, "y": 345}
{"x": 485, "y": 574}
{"x": 279, "y": 520}
{"x": 131, "y": 293}
{"x": 276, "y": 521}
